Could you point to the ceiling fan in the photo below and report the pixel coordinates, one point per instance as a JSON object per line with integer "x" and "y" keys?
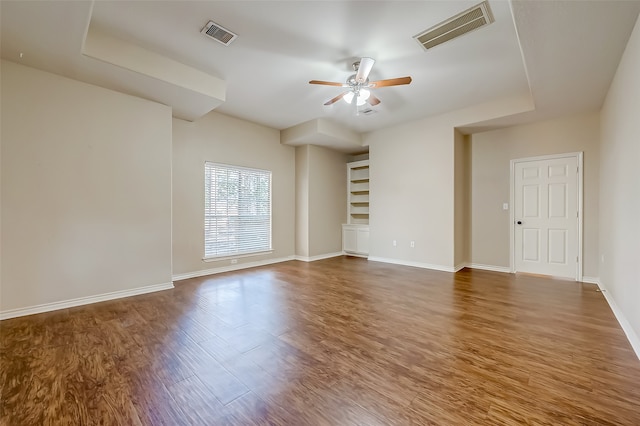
{"x": 359, "y": 84}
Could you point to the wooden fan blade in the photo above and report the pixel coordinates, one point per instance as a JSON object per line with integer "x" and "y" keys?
{"x": 390, "y": 82}
{"x": 337, "y": 98}
{"x": 364, "y": 69}
{"x": 373, "y": 101}
{"x": 328, "y": 83}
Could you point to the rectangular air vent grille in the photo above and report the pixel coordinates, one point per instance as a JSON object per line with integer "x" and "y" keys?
{"x": 219, "y": 33}
{"x": 467, "y": 21}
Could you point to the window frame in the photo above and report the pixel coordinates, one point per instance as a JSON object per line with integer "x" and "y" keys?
{"x": 209, "y": 169}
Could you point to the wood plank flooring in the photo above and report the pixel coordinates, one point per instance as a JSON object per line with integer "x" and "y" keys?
{"x": 341, "y": 341}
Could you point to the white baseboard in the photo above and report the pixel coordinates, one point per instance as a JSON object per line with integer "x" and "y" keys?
{"x": 632, "y": 337}
{"x": 229, "y": 268}
{"x": 412, "y": 263}
{"x": 347, "y": 253}
{"x": 457, "y": 268}
{"x": 318, "y": 257}
{"x": 460, "y": 267}
{"x": 590, "y": 280}
{"x": 492, "y": 268}
{"x": 54, "y": 306}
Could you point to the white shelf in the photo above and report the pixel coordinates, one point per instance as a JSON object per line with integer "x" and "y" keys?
{"x": 359, "y": 187}
{"x": 359, "y": 210}
{"x": 359, "y": 197}
{"x": 359, "y": 174}
{"x": 358, "y": 192}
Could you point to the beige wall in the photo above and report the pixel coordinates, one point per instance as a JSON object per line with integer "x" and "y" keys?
{"x": 224, "y": 139}
{"x": 461, "y": 199}
{"x": 302, "y": 201}
{"x": 86, "y": 190}
{"x": 327, "y": 200}
{"x": 491, "y": 153}
{"x": 411, "y": 194}
{"x": 321, "y": 200}
{"x": 620, "y": 187}
{"x": 412, "y": 174}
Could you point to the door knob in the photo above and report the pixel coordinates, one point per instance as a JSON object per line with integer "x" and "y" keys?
{"x": 519, "y": 222}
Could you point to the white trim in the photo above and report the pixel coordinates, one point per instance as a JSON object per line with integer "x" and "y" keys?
{"x": 229, "y": 268}
{"x": 54, "y": 306}
{"x": 579, "y": 276}
{"x": 412, "y": 263}
{"x": 460, "y": 267}
{"x": 591, "y": 280}
{"x": 512, "y": 218}
{"x": 492, "y": 268}
{"x": 359, "y": 163}
{"x": 352, "y": 254}
{"x": 236, "y": 256}
{"x": 170, "y": 204}
{"x": 632, "y": 337}
{"x": 512, "y": 197}
{"x": 318, "y": 257}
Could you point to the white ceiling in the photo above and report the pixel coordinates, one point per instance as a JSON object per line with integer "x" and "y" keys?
{"x": 562, "y": 52}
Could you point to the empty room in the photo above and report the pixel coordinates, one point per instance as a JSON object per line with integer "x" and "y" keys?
{"x": 319, "y": 212}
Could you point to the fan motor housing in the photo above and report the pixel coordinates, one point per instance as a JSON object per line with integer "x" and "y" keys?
{"x": 351, "y": 80}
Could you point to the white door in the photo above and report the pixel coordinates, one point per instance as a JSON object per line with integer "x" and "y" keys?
{"x": 546, "y": 216}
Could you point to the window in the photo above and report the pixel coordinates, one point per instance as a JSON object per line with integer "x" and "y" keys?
{"x": 237, "y": 210}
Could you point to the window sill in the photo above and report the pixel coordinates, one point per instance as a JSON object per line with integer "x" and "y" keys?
{"x": 238, "y": 256}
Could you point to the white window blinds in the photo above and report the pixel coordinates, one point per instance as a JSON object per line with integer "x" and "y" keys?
{"x": 237, "y": 210}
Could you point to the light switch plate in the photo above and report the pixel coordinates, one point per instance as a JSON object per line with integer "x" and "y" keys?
{"x": 505, "y": 206}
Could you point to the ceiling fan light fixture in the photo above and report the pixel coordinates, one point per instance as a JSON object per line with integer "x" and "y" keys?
{"x": 363, "y": 95}
{"x": 348, "y": 97}
{"x": 358, "y": 84}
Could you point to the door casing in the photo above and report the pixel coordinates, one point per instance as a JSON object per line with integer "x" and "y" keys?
{"x": 512, "y": 197}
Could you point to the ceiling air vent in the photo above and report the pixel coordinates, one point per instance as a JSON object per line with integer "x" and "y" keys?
{"x": 219, "y": 33}
{"x": 467, "y": 21}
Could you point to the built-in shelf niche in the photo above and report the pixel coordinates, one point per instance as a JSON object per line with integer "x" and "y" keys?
{"x": 358, "y": 192}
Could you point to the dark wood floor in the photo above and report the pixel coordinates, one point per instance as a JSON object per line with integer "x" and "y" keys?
{"x": 335, "y": 342}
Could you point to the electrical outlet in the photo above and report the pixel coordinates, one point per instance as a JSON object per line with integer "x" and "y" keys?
{"x": 234, "y": 261}
{"x": 395, "y": 243}
{"x": 413, "y": 244}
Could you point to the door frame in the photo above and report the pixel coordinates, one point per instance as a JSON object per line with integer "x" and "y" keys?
{"x": 512, "y": 196}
